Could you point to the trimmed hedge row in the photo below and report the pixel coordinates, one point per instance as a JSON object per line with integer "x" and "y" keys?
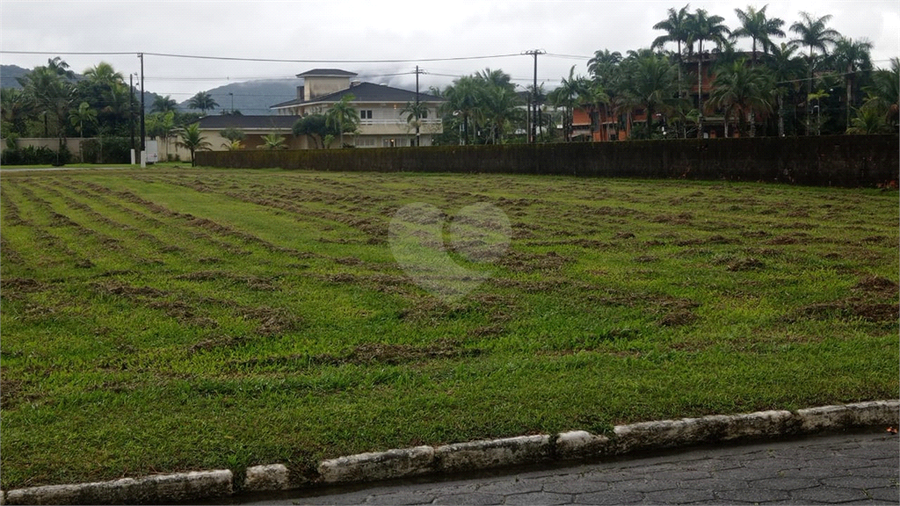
{"x": 845, "y": 160}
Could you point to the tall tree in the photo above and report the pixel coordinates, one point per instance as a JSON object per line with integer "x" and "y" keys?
{"x": 343, "y": 117}
{"x": 758, "y": 27}
{"x": 104, "y": 73}
{"x": 884, "y": 93}
{"x": 651, "y": 84}
{"x": 566, "y": 96}
{"x": 78, "y": 117}
{"x": 51, "y": 95}
{"x": 164, "y": 104}
{"x": 742, "y": 90}
{"x": 592, "y": 98}
{"x": 202, "y": 101}
{"x": 786, "y": 67}
{"x": 704, "y": 27}
{"x": 677, "y": 27}
{"x": 812, "y": 32}
{"x": 193, "y": 140}
{"x": 463, "y": 101}
{"x": 313, "y": 126}
{"x": 14, "y": 112}
{"x": 849, "y": 57}
{"x": 59, "y": 67}
{"x": 606, "y": 72}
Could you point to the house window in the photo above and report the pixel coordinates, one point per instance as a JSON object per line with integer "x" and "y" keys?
{"x": 424, "y": 114}
{"x": 365, "y": 114}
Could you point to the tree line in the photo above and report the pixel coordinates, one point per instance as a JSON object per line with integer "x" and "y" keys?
{"x": 799, "y": 79}
{"x": 817, "y": 81}
{"x": 55, "y": 103}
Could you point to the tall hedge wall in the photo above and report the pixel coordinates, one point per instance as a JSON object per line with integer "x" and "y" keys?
{"x": 845, "y": 160}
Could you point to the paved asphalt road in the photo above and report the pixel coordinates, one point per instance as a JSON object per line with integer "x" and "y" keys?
{"x": 858, "y": 467}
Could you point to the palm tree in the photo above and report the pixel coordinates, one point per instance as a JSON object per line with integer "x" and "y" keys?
{"x": 13, "y": 108}
{"x": 677, "y": 27}
{"x": 566, "y": 96}
{"x": 463, "y": 101}
{"x": 59, "y": 67}
{"x": 868, "y": 120}
{"x": 415, "y": 111}
{"x": 234, "y": 145}
{"x": 193, "y": 140}
{"x": 592, "y": 97}
{"x": 104, "y": 74}
{"x": 704, "y": 27}
{"x": 651, "y": 84}
{"x": 758, "y": 27}
{"x": 812, "y": 33}
{"x": 271, "y": 141}
{"x": 343, "y": 116}
{"x": 203, "y": 101}
{"x": 499, "y": 107}
{"x": 161, "y": 124}
{"x": 884, "y": 93}
{"x": 849, "y": 56}
{"x": 495, "y": 78}
{"x": 786, "y": 68}
{"x": 78, "y": 117}
{"x": 164, "y": 104}
{"x": 51, "y": 95}
{"x": 742, "y": 90}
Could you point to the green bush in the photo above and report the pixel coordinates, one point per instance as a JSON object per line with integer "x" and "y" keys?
{"x": 31, "y": 155}
{"x": 107, "y": 150}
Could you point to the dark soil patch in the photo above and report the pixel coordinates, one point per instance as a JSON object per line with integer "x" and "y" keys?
{"x": 252, "y": 282}
{"x": 114, "y": 287}
{"x": 365, "y": 354}
{"x": 272, "y": 321}
{"x": 678, "y": 219}
{"x": 782, "y": 239}
{"x": 877, "y": 286}
{"x": 520, "y": 261}
{"x": 21, "y": 285}
{"x": 217, "y": 342}
{"x": 677, "y": 318}
{"x": 849, "y": 308}
{"x": 746, "y": 264}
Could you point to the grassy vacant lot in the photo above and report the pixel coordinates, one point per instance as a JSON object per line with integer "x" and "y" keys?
{"x": 165, "y": 320}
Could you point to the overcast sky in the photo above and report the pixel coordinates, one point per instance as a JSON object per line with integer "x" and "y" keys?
{"x": 375, "y": 30}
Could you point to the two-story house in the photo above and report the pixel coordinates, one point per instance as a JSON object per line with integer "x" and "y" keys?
{"x": 383, "y": 122}
{"x": 382, "y": 119}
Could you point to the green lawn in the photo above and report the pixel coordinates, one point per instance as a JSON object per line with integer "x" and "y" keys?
{"x": 180, "y": 319}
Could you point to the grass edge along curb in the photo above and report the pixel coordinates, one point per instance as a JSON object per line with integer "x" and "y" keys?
{"x": 420, "y": 460}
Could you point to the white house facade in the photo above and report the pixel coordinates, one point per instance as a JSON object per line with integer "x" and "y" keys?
{"x": 383, "y": 121}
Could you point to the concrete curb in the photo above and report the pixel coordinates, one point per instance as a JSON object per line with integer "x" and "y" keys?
{"x": 469, "y": 456}
{"x": 152, "y": 489}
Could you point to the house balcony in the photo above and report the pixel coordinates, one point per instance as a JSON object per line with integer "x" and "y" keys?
{"x": 398, "y": 126}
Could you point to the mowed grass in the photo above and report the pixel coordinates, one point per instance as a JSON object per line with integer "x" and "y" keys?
{"x": 168, "y": 320}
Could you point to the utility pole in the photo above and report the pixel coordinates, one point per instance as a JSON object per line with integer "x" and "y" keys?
{"x": 534, "y": 100}
{"x": 131, "y": 112}
{"x": 418, "y": 71}
{"x": 143, "y": 128}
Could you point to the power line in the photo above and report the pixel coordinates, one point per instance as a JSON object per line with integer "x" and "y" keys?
{"x": 267, "y": 60}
